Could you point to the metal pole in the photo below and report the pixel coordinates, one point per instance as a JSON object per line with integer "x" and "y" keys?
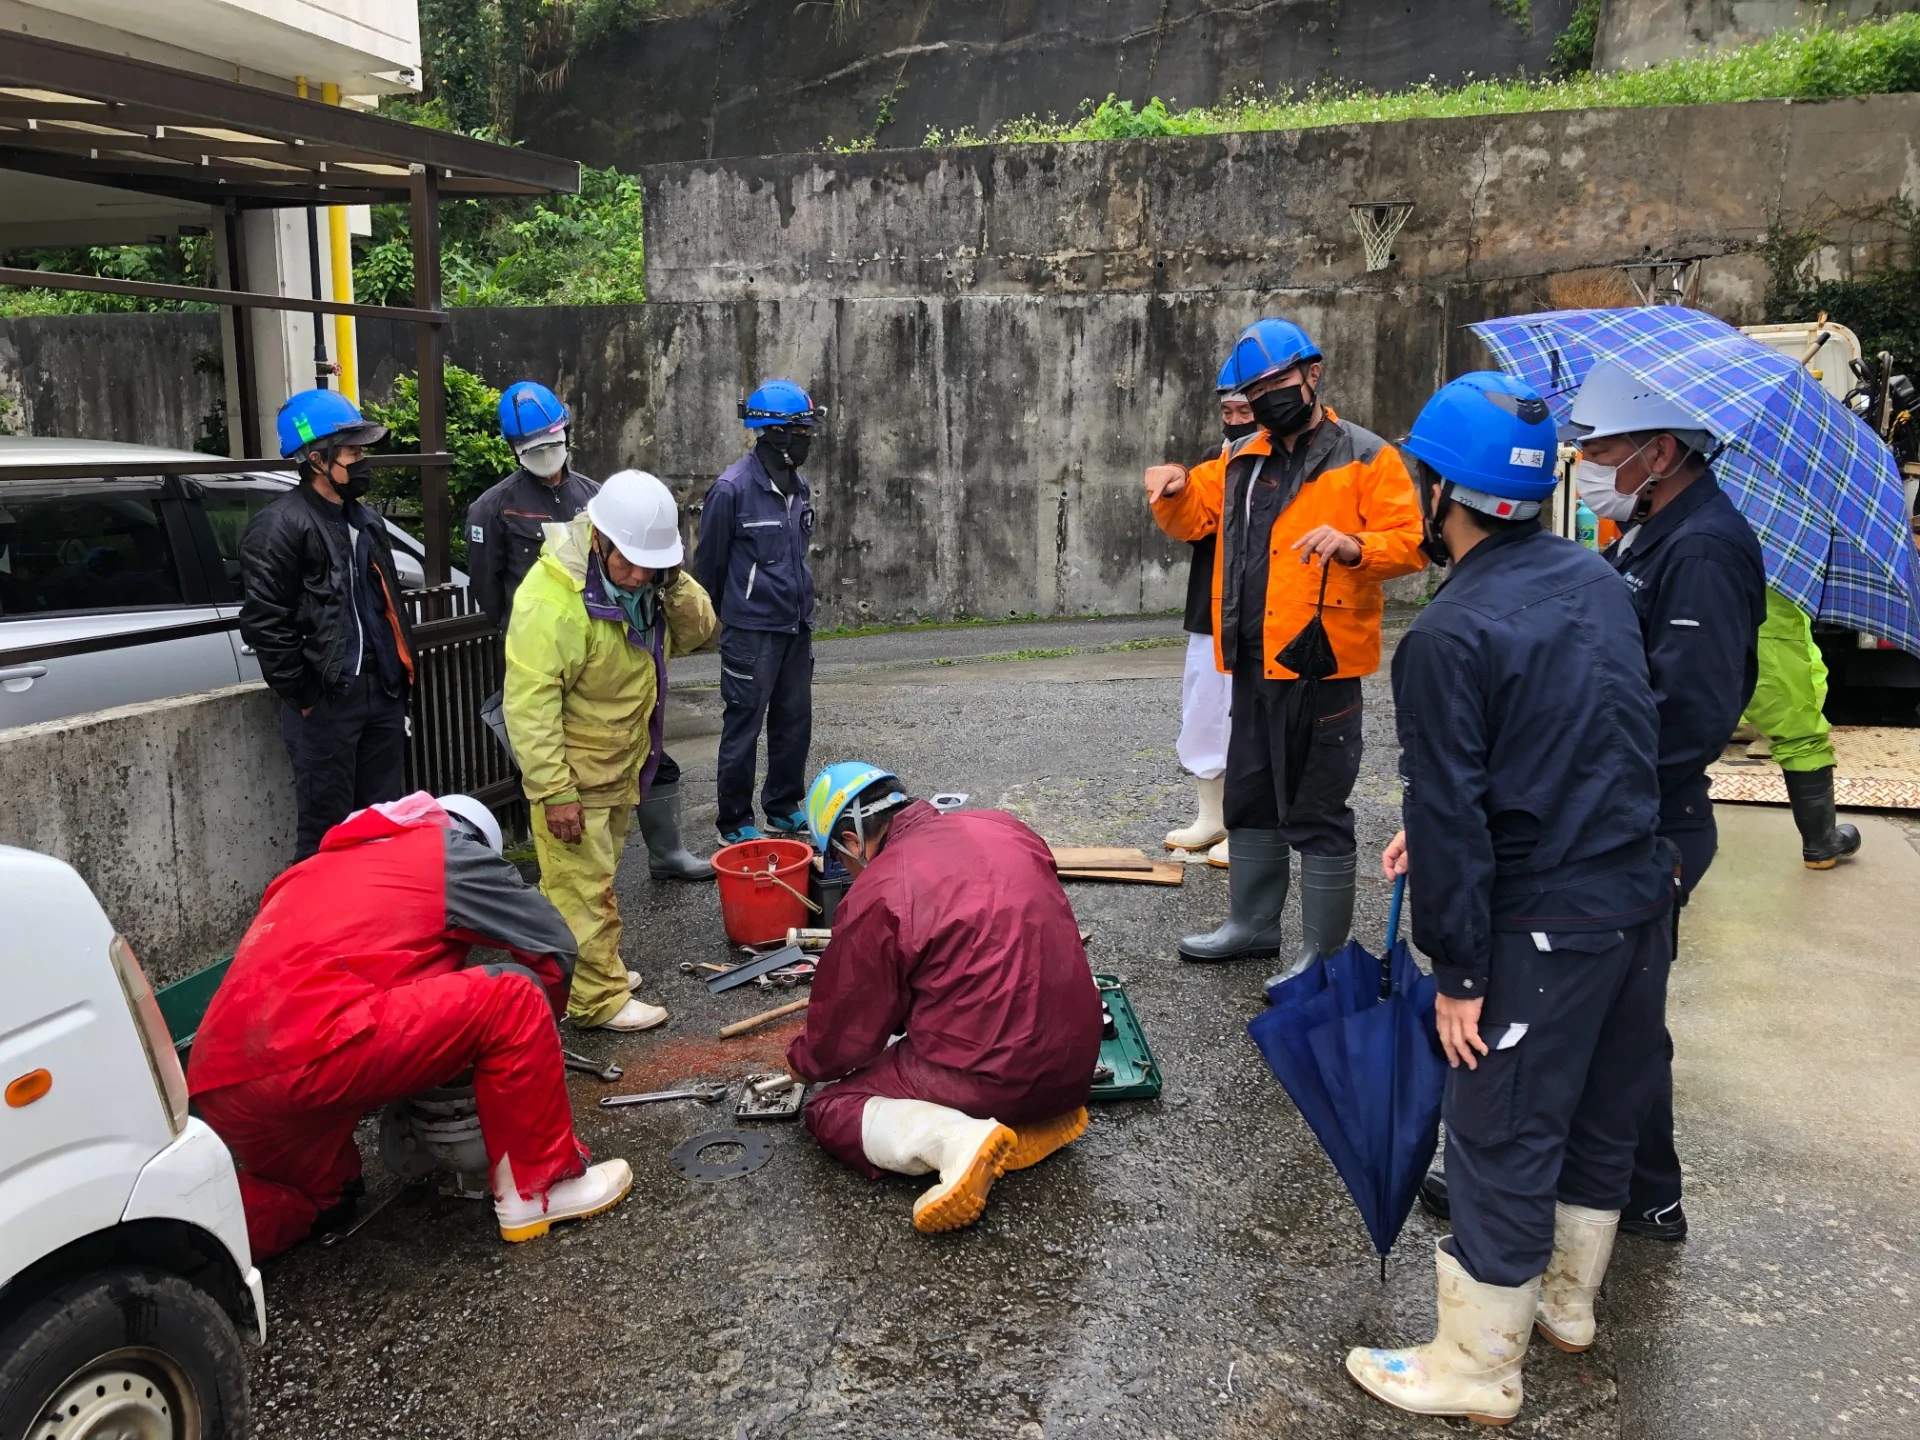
{"x": 429, "y": 357}
{"x": 320, "y": 366}
{"x": 247, "y": 388}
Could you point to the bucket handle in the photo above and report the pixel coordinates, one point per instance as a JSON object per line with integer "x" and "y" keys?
{"x": 768, "y": 874}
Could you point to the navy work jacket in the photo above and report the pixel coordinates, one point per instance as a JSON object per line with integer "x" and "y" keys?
{"x": 1527, "y": 742}
{"x": 752, "y": 556}
{"x": 1700, "y": 592}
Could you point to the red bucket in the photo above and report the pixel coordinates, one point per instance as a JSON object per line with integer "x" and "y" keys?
{"x": 762, "y": 888}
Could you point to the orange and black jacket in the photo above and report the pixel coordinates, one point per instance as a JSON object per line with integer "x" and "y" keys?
{"x": 1353, "y": 481}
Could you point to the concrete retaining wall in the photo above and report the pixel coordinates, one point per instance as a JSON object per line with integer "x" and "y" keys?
{"x": 1634, "y": 33}
{"x": 149, "y": 379}
{"x": 177, "y": 814}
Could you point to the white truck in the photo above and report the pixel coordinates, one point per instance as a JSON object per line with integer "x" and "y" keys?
{"x": 125, "y": 1276}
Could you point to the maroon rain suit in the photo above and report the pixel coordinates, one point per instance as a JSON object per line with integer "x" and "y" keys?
{"x": 959, "y": 937}
{"x": 348, "y": 992}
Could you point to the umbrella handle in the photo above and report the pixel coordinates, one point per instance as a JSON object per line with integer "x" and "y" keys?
{"x": 1393, "y": 934}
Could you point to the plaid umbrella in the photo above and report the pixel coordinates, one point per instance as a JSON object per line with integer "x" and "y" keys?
{"x": 1817, "y": 485}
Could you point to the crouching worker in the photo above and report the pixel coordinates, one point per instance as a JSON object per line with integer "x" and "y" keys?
{"x": 351, "y": 990}
{"x": 956, "y": 944}
{"x": 593, "y": 625}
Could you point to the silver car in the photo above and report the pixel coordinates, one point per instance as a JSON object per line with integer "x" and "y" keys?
{"x": 115, "y": 591}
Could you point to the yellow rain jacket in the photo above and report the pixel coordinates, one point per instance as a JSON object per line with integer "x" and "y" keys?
{"x": 579, "y": 695}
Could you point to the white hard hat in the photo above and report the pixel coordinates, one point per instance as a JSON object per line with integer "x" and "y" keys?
{"x": 636, "y": 512}
{"x": 465, "y": 807}
{"x": 1612, "y": 402}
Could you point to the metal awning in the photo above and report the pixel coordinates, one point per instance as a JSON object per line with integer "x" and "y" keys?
{"x": 86, "y": 115}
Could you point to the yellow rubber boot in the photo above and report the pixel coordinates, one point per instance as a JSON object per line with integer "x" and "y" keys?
{"x": 1471, "y": 1367}
{"x": 1582, "y": 1245}
{"x": 914, "y": 1137}
{"x": 1036, "y": 1142}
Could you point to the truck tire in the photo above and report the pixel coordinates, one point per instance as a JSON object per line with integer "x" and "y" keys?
{"x": 123, "y": 1353}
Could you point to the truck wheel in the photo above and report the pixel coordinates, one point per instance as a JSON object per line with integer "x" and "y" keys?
{"x": 123, "y": 1355}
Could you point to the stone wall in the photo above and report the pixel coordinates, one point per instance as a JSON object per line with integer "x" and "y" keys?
{"x": 747, "y": 77}
{"x": 151, "y": 379}
{"x": 1634, "y": 33}
{"x": 177, "y": 813}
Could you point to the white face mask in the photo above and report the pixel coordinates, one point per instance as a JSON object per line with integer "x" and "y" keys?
{"x": 1594, "y": 483}
{"x": 546, "y": 459}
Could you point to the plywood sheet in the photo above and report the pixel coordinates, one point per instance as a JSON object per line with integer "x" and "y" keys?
{"x": 1165, "y": 873}
{"x": 1099, "y": 857}
{"x": 1878, "y": 769}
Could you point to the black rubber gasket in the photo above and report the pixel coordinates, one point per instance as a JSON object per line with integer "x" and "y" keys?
{"x": 687, "y": 1164}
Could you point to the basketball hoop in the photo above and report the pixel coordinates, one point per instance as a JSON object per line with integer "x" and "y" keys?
{"x": 1378, "y": 222}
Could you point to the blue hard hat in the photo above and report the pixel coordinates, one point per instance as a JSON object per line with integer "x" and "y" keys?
{"x": 1491, "y": 433}
{"x": 780, "y": 402}
{"x": 1227, "y": 383}
{"x": 837, "y": 787}
{"x": 1265, "y": 348}
{"x": 314, "y": 416}
{"x": 529, "y": 408}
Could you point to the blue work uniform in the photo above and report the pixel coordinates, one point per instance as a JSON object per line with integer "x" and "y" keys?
{"x": 755, "y": 526}
{"x": 1528, "y": 739}
{"x": 1699, "y": 590}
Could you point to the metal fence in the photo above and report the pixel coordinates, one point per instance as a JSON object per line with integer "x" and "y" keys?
{"x": 458, "y": 663}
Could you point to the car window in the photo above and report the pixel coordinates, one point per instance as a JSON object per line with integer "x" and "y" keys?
{"x": 84, "y": 552}
{"x": 228, "y": 509}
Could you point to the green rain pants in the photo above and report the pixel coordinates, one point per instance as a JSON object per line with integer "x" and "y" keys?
{"x": 1792, "y": 689}
{"x": 578, "y": 879}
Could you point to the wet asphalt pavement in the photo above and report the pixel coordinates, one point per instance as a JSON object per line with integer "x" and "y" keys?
{"x": 1192, "y": 1267}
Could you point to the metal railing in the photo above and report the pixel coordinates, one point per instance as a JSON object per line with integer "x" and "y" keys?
{"x": 458, "y": 663}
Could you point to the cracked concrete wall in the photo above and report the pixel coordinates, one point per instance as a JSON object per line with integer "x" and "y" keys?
{"x": 163, "y": 369}
{"x": 1635, "y": 33}
{"x": 749, "y": 77}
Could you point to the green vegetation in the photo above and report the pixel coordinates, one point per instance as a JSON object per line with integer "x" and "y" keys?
{"x": 480, "y": 456}
{"x": 1872, "y": 58}
{"x": 185, "y": 261}
{"x": 481, "y": 56}
{"x": 1572, "y": 53}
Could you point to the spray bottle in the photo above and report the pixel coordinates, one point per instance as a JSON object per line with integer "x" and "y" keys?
{"x": 1586, "y": 526}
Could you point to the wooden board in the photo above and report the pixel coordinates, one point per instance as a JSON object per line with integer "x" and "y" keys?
{"x": 1170, "y": 873}
{"x": 1099, "y": 857}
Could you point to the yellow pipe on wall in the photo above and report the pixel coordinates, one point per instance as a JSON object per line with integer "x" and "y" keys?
{"x": 340, "y": 245}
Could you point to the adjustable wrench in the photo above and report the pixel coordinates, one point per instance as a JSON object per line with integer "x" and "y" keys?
{"x": 707, "y": 1094}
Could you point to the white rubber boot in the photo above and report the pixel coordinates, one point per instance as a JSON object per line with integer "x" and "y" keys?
{"x": 633, "y": 981}
{"x": 1582, "y": 1245}
{"x": 635, "y": 1015}
{"x": 602, "y": 1187}
{"x": 1471, "y": 1367}
{"x": 1217, "y": 857}
{"x": 1208, "y": 829}
{"x": 914, "y": 1137}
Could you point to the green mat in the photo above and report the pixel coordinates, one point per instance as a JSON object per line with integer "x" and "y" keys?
{"x": 1136, "y": 1076}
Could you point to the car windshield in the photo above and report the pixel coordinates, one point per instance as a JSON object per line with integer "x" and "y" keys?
{"x": 83, "y": 552}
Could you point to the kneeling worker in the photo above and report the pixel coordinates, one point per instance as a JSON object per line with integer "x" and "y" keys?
{"x": 956, "y": 937}
{"x": 351, "y": 990}
{"x": 593, "y": 624}
{"x": 1541, "y": 892}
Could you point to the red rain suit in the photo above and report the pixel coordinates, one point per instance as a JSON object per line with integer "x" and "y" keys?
{"x": 959, "y": 937}
{"x": 348, "y": 993}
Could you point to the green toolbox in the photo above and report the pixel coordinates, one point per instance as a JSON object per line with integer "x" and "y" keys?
{"x": 1127, "y": 1069}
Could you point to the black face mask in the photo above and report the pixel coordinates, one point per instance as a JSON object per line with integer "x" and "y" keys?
{"x": 792, "y": 447}
{"x": 1235, "y": 432}
{"x": 1283, "y": 411}
{"x": 359, "y": 478}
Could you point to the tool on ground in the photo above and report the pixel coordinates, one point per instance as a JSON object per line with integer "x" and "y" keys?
{"x": 786, "y": 977}
{"x": 809, "y": 939}
{"x": 1351, "y": 1040}
{"x": 1127, "y": 1069}
{"x": 587, "y": 1065}
{"x": 706, "y": 1094}
{"x": 760, "y": 965}
{"x": 755, "y": 1151}
{"x": 334, "y": 1237}
{"x": 948, "y": 800}
{"x": 765, "y": 1017}
{"x": 770, "y": 1097}
{"x": 694, "y": 967}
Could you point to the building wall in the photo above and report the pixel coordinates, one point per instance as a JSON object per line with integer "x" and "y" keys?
{"x": 745, "y": 77}
{"x": 1635, "y": 33}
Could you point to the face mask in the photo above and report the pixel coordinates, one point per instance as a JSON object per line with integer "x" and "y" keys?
{"x": 544, "y": 460}
{"x": 791, "y": 448}
{"x": 1283, "y": 411}
{"x": 639, "y": 605}
{"x": 1594, "y": 483}
{"x": 1234, "y": 431}
{"x": 359, "y": 477}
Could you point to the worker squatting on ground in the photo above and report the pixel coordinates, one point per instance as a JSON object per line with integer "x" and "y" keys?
{"x": 954, "y": 1012}
{"x": 351, "y": 990}
{"x": 755, "y": 526}
{"x": 593, "y": 625}
{"x": 1206, "y": 694}
{"x": 1540, "y": 891}
{"x": 506, "y": 528}
{"x": 1788, "y": 707}
{"x": 1307, "y": 486}
{"x": 320, "y": 607}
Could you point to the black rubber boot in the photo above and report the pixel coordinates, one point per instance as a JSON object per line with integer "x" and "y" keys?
{"x": 1257, "y": 881}
{"x": 667, "y": 858}
{"x": 1433, "y": 1195}
{"x": 1326, "y": 909}
{"x": 1823, "y": 844}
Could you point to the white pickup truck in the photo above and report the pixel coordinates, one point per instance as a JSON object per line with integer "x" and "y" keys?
{"x": 125, "y": 1276}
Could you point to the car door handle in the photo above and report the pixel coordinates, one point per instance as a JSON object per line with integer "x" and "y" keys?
{"x": 19, "y": 677}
